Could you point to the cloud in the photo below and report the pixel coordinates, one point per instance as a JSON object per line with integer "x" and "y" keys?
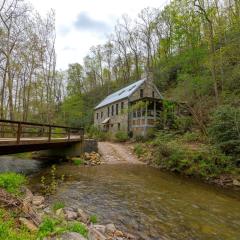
{"x": 86, "y": 23}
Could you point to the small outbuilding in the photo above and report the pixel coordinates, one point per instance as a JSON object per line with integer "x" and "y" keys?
{"x": 133, "y": 109}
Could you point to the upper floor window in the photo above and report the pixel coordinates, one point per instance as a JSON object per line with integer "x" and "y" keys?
{"x": 141, "y": 93}
{"x": 97, "y": 115}
{"x": 112, "y": 110}
{"x": 153, "y": 94}
{"x": 122, "y": 105}
{"x": 117, "y": 109}
{"x": 101, "y": 114}
{"x": 108, "y": 111}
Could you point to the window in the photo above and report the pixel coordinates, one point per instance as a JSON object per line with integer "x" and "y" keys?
{"x": 108, "y": 111}
{"x": 97, "y": 115}
{"x": 122, "y": 105}
{"x": 101, "y": 114}
{"x": 153, "y": 94}
{"x": 112, "y": 110}
{"x": 119, "y": 126}
{"x": 141, "y": 93}
{"x": 117, "y": 109}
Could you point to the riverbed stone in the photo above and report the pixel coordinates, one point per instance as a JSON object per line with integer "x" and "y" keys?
{"x": 94, "y": 234}
{"x": 69, "y": 236}
{"x": 100, "y": 228}
{"x": 28, "y": 196}
{"x": 38, "y": 200}
{"x": 27, "y": 223}
{"x": 70, "y": 215}
{"x": 118, "y": 233}
{"x": 236, "y": 182}
{"x": 83, "y": 217}
{"x": 110, "y": 228}
{"x": 59, "y": 212}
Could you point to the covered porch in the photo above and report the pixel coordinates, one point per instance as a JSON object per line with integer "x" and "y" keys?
{"x": 144, "y": 114}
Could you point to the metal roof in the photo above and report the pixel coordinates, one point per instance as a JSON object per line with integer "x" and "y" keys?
{"x": 120, "y": 94}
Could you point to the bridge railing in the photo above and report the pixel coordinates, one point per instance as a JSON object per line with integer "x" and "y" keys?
{"x": 25, "y": 131}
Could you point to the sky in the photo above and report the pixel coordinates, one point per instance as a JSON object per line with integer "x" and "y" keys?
{"x": 81, "y": 24}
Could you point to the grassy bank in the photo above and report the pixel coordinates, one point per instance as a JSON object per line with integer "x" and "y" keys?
{"x": 190, "y": 154}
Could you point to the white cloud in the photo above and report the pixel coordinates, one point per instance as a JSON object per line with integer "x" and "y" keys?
{"x": 81, "y": 24}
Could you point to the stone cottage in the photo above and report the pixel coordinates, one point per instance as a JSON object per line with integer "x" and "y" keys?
{"x": 133, "y": 109}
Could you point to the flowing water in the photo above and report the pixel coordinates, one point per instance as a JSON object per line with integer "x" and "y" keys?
{"x": 147, "y": 202}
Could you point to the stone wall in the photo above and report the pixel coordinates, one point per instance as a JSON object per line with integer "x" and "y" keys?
{"x": 117, "y": 121}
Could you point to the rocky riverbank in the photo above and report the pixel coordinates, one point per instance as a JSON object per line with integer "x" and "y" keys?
{"x": 65, "y": 223}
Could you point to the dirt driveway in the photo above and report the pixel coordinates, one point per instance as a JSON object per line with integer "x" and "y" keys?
{"x": 114, "y": 153}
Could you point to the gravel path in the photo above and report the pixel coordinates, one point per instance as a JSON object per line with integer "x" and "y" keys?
{"x": 114, "y": 153}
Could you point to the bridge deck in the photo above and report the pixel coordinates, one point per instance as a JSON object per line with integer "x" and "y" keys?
{"x": 25, "y": 136}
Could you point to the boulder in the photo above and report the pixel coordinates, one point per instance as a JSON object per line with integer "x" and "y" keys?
{"x": 83, "y": 217}
{"x": 38, "y": 200}
{"x": 236, "y": 182}
{"x": 94, "y": 234}
{"x": 69, "y": 236}
{"x": 110, "y": 229}
{"x": 59, "y": 212}
{"x": 70, "y": 215}
{"x": 118, "y": 233}
{"x": 29, "y": 225}
{"x": 28, "y": 196}
{"x": 100, "y": 228}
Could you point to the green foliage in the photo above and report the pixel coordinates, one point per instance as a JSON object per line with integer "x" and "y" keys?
{"x": 79, "y": 228}
{"x": 58, "y": 205}
{"x": 49, "y": 226}
{"x": 225, "y": 129}
{"x": 72, "y": 110}
{"x": 138, "y": 149}
{"x": 78, "y": 161}
{"x": 93, "y": 219}
{"x": 12, "y": 181}
{"x": 49, "y": 185}
{"x": 9, "y": 231}
{"x": 183, "y": 123}
{"x": 205, "y": 161}
{"x": 121, "y": 136}
{"x": 98, "y": 134}
{"x": 193, "y": 137}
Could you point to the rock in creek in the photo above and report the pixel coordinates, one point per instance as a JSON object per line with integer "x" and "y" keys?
{"x": 38, "y": 200}
{"x": 70, "y": 215}
{"x": 30, "y": 225}
{"x": 83, "y": 217}
{"x": 100, "y": 228}
{"x": 67, "y": 236}
{"x": 94, "y": 234}
{"x": 110, "y": 229}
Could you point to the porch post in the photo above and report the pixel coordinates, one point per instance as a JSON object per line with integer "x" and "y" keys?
{"x": 154, "y": 114}
{"x": 146, "y": 114}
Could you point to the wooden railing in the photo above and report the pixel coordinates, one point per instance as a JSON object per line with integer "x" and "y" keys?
{"x": 25, "y": 131}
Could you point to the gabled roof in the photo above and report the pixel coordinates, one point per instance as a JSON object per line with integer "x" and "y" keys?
{"x": 121, "y": 94}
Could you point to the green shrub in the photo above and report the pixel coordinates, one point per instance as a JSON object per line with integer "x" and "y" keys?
{"x": 9, "y": 231}
{"x": 98, "y": 134}
{"x": 93, "y": 219}
{"x": 138, "y": 149}
{"x": 192, "y": 137}
{"x": 121, "y": 136}
{"x": 205, "y": 162}
{"x": 12, "y": 181}
{"x": 79, "y": 228}
{"x": 224, "y": 129}
{"x": 78, "y": 161}
{"x": 47, "y": 227}
{"x": 183, "y": 123}
{"x": 58, "y": 205}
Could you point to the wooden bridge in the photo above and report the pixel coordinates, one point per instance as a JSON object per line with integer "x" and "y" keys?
{"x": 16, "y": 137}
